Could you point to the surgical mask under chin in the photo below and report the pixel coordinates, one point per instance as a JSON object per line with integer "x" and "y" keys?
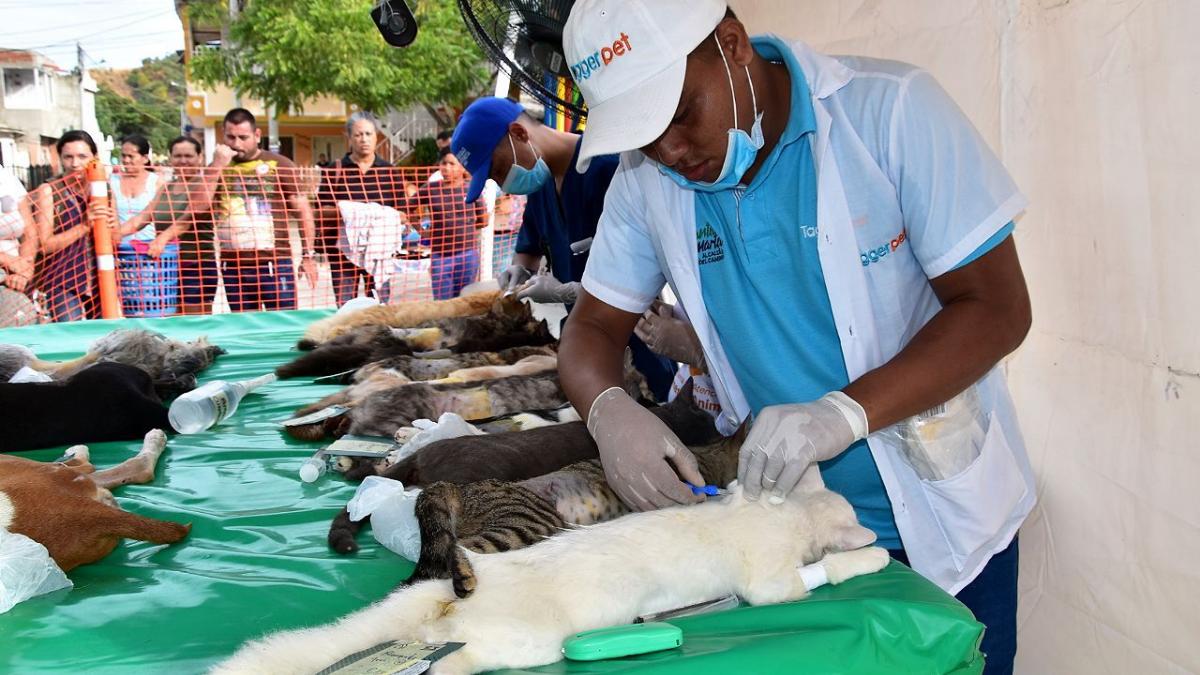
{"x": 741, "y": 149}
{"x": 522, "y": 181}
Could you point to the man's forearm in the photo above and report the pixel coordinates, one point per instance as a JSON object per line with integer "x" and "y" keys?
{"x": 591, "y": 354}
{"x": 527, "y": 260}
{"x": 985, "y": 316}
{"x": 308, "y": 228}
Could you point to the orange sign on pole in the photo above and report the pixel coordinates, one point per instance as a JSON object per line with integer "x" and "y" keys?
{"x": 106, "y": 268}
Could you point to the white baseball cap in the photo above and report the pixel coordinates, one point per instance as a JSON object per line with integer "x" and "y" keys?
{"x": 628, "y": 58}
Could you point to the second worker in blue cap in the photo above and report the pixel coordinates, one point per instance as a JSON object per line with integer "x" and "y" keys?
{"x": 495, "y": 138}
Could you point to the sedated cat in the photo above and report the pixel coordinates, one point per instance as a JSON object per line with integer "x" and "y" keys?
{"x": 494, "y": 516}
{"x": 510, "y": 323}
{"x": 381, "y": 379}
{"x": 529, "y": 600}
{"x": 401, "y": 315}
{"x": 513, "y": 456}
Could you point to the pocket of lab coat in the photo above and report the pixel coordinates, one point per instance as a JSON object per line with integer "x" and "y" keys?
{"x": 972, "y": 506}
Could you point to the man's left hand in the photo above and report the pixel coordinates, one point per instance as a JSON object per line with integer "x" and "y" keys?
{"x": 785, "y": 440}
{"x": 545, "y": 288}
{"x": 308, "y": 267}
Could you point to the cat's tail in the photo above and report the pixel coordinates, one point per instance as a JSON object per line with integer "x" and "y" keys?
{"x": 343, "y": 532}
{"x": 326, "y": 360}
{"x": 407, "y": 614}
{"x": 333, "y": 427}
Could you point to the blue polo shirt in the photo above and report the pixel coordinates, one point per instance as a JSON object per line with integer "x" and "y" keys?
{"x": 765, "y": 292}
{"x": 551, "y": 224}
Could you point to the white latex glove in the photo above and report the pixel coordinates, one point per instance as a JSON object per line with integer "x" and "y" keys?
{"x": 644, "y": 462}
{"x": 513, "y": 276}
{"x": 786, "y": 439}
{"x": 545, "y": 288}
{"x": 668, "y": 336}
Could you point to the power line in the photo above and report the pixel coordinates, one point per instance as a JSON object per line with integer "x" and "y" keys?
{"x": 57, "y": 28}
{"x": 80, "y": 38}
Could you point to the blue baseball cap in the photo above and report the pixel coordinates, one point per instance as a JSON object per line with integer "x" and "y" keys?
{"x": 479, "y": 130}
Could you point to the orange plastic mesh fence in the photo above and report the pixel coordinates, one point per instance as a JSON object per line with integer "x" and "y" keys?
{"x": 252, "y": 236}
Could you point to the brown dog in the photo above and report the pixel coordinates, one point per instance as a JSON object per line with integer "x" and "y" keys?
{"x": 67, "y": 506}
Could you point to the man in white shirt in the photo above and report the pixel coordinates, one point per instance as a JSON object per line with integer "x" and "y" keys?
{"x": 840, "y": 237}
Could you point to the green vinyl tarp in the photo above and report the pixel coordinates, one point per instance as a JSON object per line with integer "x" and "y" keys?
{"x": 256, "y": 560}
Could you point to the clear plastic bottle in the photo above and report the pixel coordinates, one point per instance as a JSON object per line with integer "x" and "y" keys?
{"x": 206, "y": 406}
{"x": 314, "y": 467}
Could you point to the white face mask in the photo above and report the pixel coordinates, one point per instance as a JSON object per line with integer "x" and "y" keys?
{"x": 741, "y": 148}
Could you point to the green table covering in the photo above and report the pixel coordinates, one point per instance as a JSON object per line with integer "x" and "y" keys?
{"x": 256, "y": 560}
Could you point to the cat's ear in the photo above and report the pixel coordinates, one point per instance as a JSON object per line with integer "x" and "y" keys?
{"x": 685, "y": 392}
{"x": 509, "y": 305}
{"x": 851, "y": 537}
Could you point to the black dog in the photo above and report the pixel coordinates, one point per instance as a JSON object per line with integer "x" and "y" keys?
{"x": 104, "y": 402}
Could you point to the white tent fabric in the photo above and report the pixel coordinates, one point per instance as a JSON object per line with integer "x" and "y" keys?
{"x": 1094, "y": 107}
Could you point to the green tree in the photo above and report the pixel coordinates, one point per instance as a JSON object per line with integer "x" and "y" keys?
{"x": 152, "y": 106}
{"x": 287, "y": 51}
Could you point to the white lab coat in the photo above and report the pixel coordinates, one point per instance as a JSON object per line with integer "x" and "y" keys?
{"x": 894, "y": 156}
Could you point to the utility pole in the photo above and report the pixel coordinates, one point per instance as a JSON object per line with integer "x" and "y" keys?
{"x": 227, "y": 43}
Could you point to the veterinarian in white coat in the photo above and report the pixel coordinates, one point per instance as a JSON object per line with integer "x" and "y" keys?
{"x": 839, "y": 235}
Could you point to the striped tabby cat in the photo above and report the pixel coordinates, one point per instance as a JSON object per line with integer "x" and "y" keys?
{"x": 494, "y": 516}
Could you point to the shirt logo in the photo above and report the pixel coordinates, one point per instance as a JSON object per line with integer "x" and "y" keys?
{"x": 463, "y": 156}
{"x": 876, "y": 254}
{"x": 602, "y": 57}
{"x": 709, "y": 247}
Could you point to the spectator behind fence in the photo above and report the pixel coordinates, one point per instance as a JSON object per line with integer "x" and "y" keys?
{"x": 18, "y": 252}
{"x": 18, "y": 239}
{"x": 133, "y": 187}
{"x": 452, "y": 230}
{"x": 66, "y": 272}
{"x": 258, "y": 188}
{"x": 442, "y": 141}
{"x": 360, "y": 176}
{"x": 183, "y": 213}
{"x": 322, "y": 160}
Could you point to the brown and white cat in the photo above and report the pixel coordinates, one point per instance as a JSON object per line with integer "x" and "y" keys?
{"x": 514, "y": 456}
{"x": 529, "y": 600}
{"x": 425, "y": 368}
{"x": 402, "y": 315}
{"x": 383, "y": 412}
{"x": 510, "y": 323}
{"x": 381, "y": 379}
{"x": 494, "y": 516}
{"x": 68, "y": 506}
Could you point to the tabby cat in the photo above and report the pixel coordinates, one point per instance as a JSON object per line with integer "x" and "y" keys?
{"x": 494, "y": 516}
{"x": 514, "y": 456}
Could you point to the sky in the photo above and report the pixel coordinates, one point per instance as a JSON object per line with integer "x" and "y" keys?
{"x": 114, "y": 33}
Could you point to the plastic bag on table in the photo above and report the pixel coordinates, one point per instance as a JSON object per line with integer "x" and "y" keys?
{"x": 942, "y": 442}
{"x": 449, "y": 425}
{"x": 393, "y": 514}
{"x": 26, "y": 570}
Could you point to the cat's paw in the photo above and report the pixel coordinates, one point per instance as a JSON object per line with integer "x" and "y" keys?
{"x": 849, "y": 564}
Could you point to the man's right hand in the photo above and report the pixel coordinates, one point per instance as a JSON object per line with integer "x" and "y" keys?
{"x": 513, "y": 276}
{"x": 222, "y": 155}
{"x": 644, "y": 462}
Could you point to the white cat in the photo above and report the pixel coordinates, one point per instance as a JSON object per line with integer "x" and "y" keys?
{"x": 529, "y": 600}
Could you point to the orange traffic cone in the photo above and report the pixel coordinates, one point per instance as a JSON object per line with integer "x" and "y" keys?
{"x": 106, "y": 268}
